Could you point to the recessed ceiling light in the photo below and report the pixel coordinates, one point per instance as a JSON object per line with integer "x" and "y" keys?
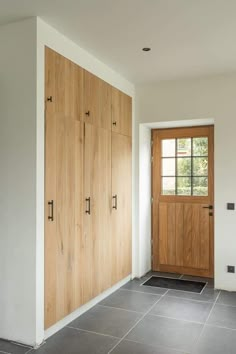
{"x": 146, "y": 49}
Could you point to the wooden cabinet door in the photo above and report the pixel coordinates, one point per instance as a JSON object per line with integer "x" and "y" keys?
{"x": 63, "y": 192}
{"x": 97, "y": 101}
{"x": 121, "y": 112}
{"x": 121, "y": 207}
{"x": 97, "y": 211}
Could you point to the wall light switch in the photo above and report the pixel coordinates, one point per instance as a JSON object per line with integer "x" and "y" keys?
{"x": 230, "y": 206}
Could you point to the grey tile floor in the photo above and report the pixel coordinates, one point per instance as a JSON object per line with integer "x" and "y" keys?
{"x": 145, "y": 320}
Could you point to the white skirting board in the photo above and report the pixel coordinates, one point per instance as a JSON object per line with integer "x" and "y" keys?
{"x": 71, "y": 317}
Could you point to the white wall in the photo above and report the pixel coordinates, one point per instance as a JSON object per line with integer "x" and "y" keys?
{"x": 144, "y": 215}
{"x": 212, "y": 97}
{"x": 18, "y": 181}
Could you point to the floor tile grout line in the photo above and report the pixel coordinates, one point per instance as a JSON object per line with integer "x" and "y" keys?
{"x": 226, "y": 305}
{"x": 120, "y": 308}
{"x": 187, "y": 298}
{"x": 142, "y": 317}
{"x": 176, "y": 319}
{"x": 157, "y": 346}
{"x": 143, "y": 292}
{"x": 92, "y": 332}
{"x": 201, "y": 333}
{"x": 222, "y": 327}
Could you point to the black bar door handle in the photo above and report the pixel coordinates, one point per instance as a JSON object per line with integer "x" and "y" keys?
{"x": 51, "y": 214}
{"x": 208, "y": 207}
{"x": 115, "y": 199}
{"x": 88, "y": 210}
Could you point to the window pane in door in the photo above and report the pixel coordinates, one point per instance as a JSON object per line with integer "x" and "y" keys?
{"x": 168, "y": 148}
{"x": 200, "y": 166}
{"x": 184, "y": 147}
{"x": 184, "y": 166}
{"x": 200, "y": 186}
{"x": 168, "y": 185}
{"x": 168, "y": 167}
{"x": 200, "y": 146}
{"x": 183, "y": 185}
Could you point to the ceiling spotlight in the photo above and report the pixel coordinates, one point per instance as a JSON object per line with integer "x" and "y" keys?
{"x": 146, "y": 49}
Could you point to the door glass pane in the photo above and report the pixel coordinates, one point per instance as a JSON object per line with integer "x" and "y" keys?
{"x": 168, "y": 185}
{"x": 168, "y": 148}
{"x": 200, "y": 146}
{"x": 200, "y": 166}
{"x": 168, "y": 167}
{"x": 184, "y": 185}
{"x": 184, "y": 147}
{"x": 200, "y": 186}
{"x": 184, "y": 166}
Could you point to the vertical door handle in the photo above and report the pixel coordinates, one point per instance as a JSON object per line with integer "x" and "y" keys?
{"x": 51, "y": 206}
{"x": 87, "y": 113}
{"x": 88, "y": 210}
{"x": 115, "y": 199}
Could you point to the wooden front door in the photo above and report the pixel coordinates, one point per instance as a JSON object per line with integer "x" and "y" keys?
{"x": 183, "y": 197}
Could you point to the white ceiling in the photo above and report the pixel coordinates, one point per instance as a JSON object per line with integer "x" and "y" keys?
{"x": 188, "y": 38}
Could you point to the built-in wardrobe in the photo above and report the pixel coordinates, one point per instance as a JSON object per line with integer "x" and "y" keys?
{"x": 88, "y": 126}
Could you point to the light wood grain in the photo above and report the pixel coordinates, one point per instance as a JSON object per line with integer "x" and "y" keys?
{"x": 121, "y": 217}
{"x": 97, "y": 101}
{"x": 50, "y": 192}
{"x": 179, "y": 229}
{"x": 121, "y": 112}
{"x": 163, "y": 233}
{"x": 63, "y": 83}
{"x": 97, "y": 186}
{"x": 83, "y": 256}
{"x": 182, "y": 229}
{"x": 171, "y": 230}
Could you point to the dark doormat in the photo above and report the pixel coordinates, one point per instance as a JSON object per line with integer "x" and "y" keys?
{"x": 175, "y": 284}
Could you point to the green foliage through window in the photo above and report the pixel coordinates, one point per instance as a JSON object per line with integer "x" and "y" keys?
{"x": 185, "y": 166}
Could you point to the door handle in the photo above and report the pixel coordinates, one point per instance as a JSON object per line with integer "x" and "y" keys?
{"x": 51, "y": 206}
{"x": 208, "y": 207}
{"x": 115, "y": 199}
{"x": 87, "y": 113}
{"x": 88, "y": 210}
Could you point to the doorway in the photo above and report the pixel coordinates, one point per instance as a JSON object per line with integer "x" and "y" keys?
{"x": 183, "y": 200}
